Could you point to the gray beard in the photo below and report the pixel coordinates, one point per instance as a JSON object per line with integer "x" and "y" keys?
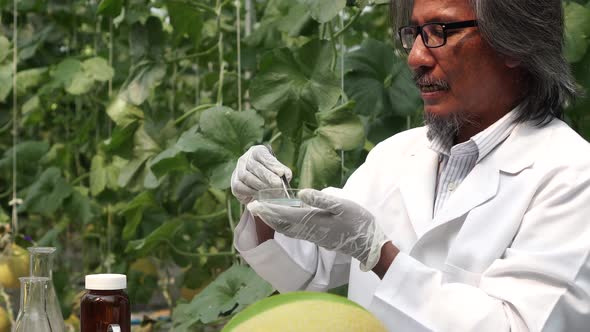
{"x": 446, "y": 128}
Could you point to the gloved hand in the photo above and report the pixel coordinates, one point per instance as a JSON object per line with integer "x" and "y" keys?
{"x": 257, "y": 169}
{"x": 330, "y": 222}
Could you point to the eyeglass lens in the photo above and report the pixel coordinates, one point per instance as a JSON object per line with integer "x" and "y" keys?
{"x": 432, "y": 34}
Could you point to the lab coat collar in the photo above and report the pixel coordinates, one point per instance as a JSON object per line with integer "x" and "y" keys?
{"x": 480, "y": 185}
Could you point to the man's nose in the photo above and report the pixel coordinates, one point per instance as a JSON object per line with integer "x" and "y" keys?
{"x": 420, "y": 55}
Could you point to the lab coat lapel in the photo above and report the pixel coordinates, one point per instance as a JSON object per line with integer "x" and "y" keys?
{"x": 417, "y": 188}
{"x": 478, "y": 187}
{"x": 483, "y": 182}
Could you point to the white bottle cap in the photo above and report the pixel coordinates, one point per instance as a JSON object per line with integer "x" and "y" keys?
{"x": 106, "y": 281}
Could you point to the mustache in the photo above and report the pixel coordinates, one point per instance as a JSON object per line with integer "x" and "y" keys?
{"x": 422, "y": 79}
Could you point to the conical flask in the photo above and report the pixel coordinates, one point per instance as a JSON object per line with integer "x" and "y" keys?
{"x": 41, "y": 266}
{"x": 32, "y": 315}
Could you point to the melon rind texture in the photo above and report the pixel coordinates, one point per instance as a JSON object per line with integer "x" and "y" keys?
{"x": 305, "y": 311}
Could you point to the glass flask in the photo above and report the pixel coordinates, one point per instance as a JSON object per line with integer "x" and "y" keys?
{"x": 32, "y": 315}
{"x": 41, "y": 265}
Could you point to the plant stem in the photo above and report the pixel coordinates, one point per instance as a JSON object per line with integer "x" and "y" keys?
{"x": 110, "y": 123}
{"x": 14, "y": 117}
{"x": 342, "y": 52}
{"x": 80, "y": 178}
{"x": 334, "y": 48}
{"x": 346, "y": 105}
{"x": 166, "y": 289}
{"x": 194, "y": 55}
{"x": 230, "y": 217}
{"x": 275, "y": 137}
{"x": 191, "y": 112}
{"x": 9, "y": 309}
{"x": 349, "y": 24}
{"x": 173, "y": 82}
{"x": 210, "y": 215}
{"x": 193, "y": 254}
{"x": 109, "y": 228}
{"x": 201, "y": 6}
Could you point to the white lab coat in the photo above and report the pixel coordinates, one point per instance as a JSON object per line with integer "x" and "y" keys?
{"x": 509, "y": 250}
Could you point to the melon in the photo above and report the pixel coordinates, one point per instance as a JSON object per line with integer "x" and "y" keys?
{"x": 305, "y": 311}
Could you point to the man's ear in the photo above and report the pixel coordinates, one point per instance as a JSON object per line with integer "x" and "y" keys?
{"x": 511, "y": 63}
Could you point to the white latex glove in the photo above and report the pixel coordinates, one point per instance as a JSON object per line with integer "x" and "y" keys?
{"x": 257, "y": 169}
{"x": 330, "y": 222}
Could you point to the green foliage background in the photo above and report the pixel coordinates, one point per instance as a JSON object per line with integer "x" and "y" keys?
{"x": 132, "y": 114}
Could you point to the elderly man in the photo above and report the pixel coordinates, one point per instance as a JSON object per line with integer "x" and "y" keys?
{"x": 477, "y": 221}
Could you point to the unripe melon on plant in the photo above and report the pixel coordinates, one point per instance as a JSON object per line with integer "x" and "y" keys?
{"x": 305, "y": 311}
{"x": 13, "y": 265}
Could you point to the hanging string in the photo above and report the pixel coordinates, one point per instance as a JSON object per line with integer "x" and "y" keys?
{"x": 344, "y": 97}
{"x": 249, "y": 17}
{"x": 15, "y": 200}
{"x": 239, "y": 42}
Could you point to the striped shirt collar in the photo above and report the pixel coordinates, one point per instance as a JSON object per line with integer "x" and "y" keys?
{"x": 482, "y": 143}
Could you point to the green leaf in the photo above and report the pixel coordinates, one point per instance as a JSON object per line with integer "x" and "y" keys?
{"x": 290, "y": 17}
{"x": 190, "y": 187}
{"x": 123, "y": 113}
{"x": 80, "y": 84}
{"x": 147, "y": 41}
{"x": 5, "y": 81}
{"x": 133, "y": 213}
{"x": 130, "y": 170}
{"x": 319, "y": 164}
{"x": 577, "y": 31}
{"x": 29, "y": 155}
{"x": 148, "y": 77}
{"x": 224, "y": 136}
{"x": 324, "y": 11}
{"x": 167, "y": 161}
{"x": 98, "y": 69}
{"x": 65, "y": 71}
{"x": 379, "y": 81}
{"x": 29, "y": 78}
{"x": 186, "y": 20}
{"x": 31, "y": 105}
{"x": 343, "y": 129}
{"x": 302, "y": 76}
{"x": 79, "y": 207}
{"x": 47, "y": 194}
{"x": 221, "y": 174}
{"x": 233, "y": 130}
{"x": 110, "y": 8}
{"x": 145, "y": 145}
{"x": 4, "y": 48}
{"x": 121, "y": 139}
{"x": 162, "y": 234}
{"x": 229, "y": 293}
{"x": 113, "y": 171}
{"x": 98, "y": 175}
{"x": 297, "y": 20}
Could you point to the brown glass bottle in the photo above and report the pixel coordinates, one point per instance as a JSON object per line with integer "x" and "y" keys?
{"x": 101, "y": 308}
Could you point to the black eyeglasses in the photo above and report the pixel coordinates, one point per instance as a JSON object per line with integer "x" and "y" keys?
{"x": 433, "y": 34}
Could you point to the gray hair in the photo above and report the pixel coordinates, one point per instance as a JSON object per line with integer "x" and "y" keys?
{"x": 529, "y": 31}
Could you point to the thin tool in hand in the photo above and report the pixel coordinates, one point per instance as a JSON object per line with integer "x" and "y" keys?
{"x": 284, "y": 181}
